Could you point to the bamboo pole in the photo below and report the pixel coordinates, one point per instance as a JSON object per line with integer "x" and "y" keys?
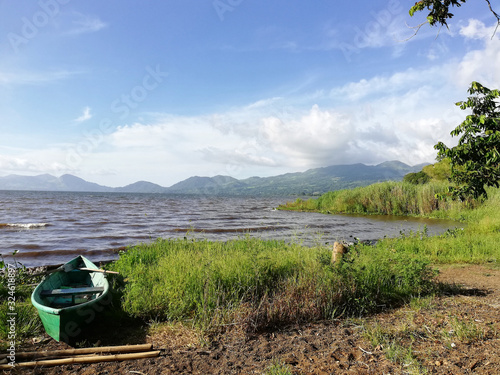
{"x": 91, "y": 359}
{"x": 70, "y": 352}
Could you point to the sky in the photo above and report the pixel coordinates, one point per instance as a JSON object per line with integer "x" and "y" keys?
{"x": 118, "y": 91}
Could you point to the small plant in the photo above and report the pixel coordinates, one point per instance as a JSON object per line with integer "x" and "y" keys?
{"x": 404, "y": 357}
{"x": 422, "y": 303}
{"x": 278, "y": 368}
{"x": 390, "y": 341}
{"x": 466, "y": 332}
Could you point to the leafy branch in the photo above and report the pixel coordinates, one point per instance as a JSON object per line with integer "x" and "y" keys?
{"x": 439, "y": 12}
{"x": 475, "y": 161}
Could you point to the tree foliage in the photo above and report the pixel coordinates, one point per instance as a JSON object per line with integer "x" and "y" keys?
{"x": 439, "y": 10}
{"x": 440, "y": 171}
{"x": 418, "y": 178}
{"x": 475, "y": 161}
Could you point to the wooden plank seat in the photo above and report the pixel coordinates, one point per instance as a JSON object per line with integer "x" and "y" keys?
{"x": 72, "y": 291}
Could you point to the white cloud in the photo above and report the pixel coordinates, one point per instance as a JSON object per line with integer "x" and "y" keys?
{"x": 246, "y": 155}
{"x": 383, "y": 117}
{"x": 480, "y": 64}
{"x": 33, "y": 77}
{"x": 47, "y": 160}
{"x": 309, "y": 140}
{"x": 86, "y": 115}
{"x": 476, "y": 29}
{"x": 395, "y": 85}
{"x": 83, "y": 24}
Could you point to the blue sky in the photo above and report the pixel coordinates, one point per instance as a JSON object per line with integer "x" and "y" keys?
{"x": 120, "y": 91}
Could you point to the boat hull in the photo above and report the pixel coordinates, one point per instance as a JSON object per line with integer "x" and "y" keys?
{"x": 66, "y": 317}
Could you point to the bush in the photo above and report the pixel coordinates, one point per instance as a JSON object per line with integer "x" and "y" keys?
{"x": 418, "y": 178}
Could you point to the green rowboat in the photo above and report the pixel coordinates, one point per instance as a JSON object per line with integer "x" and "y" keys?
{"x": 68, "y": 299}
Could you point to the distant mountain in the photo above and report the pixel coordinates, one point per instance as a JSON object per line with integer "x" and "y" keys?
{"x": 40, "y": 182}
{"x": 141, "y": 187}
{"x": 206, "y": 185}
{"x": 47, "y": 182}
{"x": 311, "y": 182}
{"x": 73, "y": 183}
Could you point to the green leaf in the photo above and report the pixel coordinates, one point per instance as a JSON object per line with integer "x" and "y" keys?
{"x": 474, "y": 161}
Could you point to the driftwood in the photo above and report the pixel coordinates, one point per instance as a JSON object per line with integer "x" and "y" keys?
{"x": 84, "y": 359}
{"x": 71, "y": 352}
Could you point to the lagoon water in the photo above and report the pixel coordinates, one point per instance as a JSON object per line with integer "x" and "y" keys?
{"x": 52, "y": 227}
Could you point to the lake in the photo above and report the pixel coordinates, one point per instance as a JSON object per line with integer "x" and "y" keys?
{"x": 52, "y": 227}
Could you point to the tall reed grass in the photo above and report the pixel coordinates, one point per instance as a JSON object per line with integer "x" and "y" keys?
{"x": 387, "y": 198}
{"x": 262, "y": 284}
{"x": 475, "y": 240}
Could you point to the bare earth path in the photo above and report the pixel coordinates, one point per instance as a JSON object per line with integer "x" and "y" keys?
{"x": 453, "y": 334}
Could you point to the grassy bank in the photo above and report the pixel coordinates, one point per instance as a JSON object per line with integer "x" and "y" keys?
{"x": 385, "y": 198}
{"x": 15, "y": 298}
{"x": 263, "y": 284}
{"x": 268, "y": 283}
{"x": 258, "y": 284}
{"x": 476, "y": 243}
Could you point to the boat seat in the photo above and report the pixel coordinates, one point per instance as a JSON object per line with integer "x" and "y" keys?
{"x": 72, "y": 291}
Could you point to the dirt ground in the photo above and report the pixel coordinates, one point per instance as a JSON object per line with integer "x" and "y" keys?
{"x": 457, "y": 333}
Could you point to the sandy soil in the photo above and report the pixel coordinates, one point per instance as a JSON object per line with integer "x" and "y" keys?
{"x": 454, "y": 334}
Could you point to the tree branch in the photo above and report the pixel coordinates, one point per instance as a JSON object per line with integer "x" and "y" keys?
{"x": 497, "y": 17}
{"x": 416, "y": 28}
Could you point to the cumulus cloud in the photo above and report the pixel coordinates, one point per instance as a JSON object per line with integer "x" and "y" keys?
{"x": 476, "y": 29}
{"x": 309, "y": 140}
{"x": 33, "y": 161}
{"x": 382, "y": 117}
{"x": 480, "y": 64}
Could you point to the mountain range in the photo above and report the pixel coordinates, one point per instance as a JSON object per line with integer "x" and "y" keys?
{"x": 311, "y": 182}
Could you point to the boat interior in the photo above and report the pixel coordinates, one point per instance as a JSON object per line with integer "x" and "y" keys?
{"x": 71, "y": 288}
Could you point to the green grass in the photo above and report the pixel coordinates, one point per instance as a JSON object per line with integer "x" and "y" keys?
{"x": 263, "y": 283}
{"x": 259, "y": 284}
{"x": 27, "y": 323}
{"x": 386, "y": 198}
{"x": 18, "y": 301}
{"x": 474, "y": 241}
{"x": 464, "y": 331}
{"x": 278, "y": 368}
{"x": 391, "y": 342}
